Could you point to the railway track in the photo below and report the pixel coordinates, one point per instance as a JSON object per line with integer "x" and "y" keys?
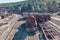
{"x": 8, "y": 30}
{"x": 38, "y": 36}
{"x": 55, "y": 21}
{"x": 56, "y": 30}
{"x": 35, "y": 37}
{"x": 50, "y": 31}
{"x": 23, "y": 35}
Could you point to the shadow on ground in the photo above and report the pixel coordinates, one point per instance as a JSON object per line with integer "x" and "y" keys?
{"x": 21, "y": 19}
{"x": 21, "y": 34}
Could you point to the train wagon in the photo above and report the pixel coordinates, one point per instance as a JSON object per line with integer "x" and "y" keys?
{"x": 31, "y": 24}
{"x": 46, "y": 17}
{"x": 34, "y": 20}
{"x": 42, "y": 17}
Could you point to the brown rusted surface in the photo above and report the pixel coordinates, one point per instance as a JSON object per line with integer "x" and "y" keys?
{"x": 38, "y": 18}
{"x": 31, "y": 20}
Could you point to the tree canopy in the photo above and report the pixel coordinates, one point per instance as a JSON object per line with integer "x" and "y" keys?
{"x": 32, "y": 6}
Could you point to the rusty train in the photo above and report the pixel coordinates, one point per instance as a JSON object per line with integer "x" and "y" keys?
{"x": 34, "y": 19}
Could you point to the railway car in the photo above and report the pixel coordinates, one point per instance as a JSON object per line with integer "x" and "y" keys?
{"x": 31, "y": 24}
{"x": 34, "y": 20}
{"x": 38, "y": 18}
{"x": 48, "y": 17}
{"x": 44, "y": 18}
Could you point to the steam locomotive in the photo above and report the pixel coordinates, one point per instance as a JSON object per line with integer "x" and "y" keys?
{"x": 33, "y": 20}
